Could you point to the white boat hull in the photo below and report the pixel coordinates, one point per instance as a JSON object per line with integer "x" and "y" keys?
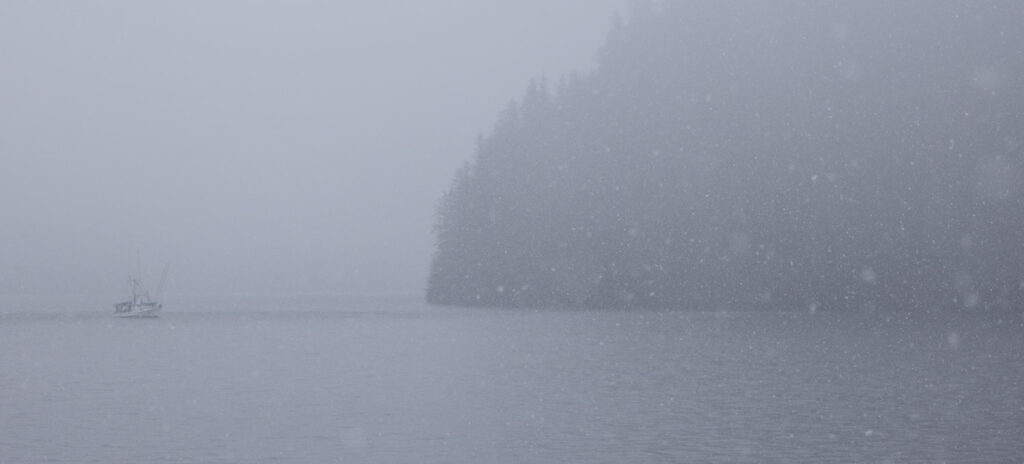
{"x": 144, "y": 311}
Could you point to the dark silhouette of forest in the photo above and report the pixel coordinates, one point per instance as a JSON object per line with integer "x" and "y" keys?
{"x": 757, "y": 154}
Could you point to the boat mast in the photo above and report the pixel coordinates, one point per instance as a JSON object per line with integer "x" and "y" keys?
{"x": 160, "y": 288}
{"x": 137, "y": 290}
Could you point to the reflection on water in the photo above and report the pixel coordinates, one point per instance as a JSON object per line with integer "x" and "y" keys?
{"x": 326, "y": 378}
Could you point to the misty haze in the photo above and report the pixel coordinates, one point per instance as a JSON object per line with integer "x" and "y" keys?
{"x": 531, "y": 231}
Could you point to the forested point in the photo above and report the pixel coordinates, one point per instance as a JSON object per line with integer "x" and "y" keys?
{"x": 803, "y": 155}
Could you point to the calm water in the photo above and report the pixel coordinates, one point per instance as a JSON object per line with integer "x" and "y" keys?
{"x": 322, "y": 379}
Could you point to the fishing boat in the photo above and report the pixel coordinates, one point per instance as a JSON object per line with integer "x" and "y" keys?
{"x": 140, "y": 304}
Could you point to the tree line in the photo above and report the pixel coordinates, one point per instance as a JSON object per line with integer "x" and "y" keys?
{"x": 741, "y": 155}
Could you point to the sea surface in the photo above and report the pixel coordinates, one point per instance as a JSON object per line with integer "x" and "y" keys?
{"x": 231, "y": 379}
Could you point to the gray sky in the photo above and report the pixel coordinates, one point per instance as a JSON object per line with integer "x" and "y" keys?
{"x": 256, "y": 146}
